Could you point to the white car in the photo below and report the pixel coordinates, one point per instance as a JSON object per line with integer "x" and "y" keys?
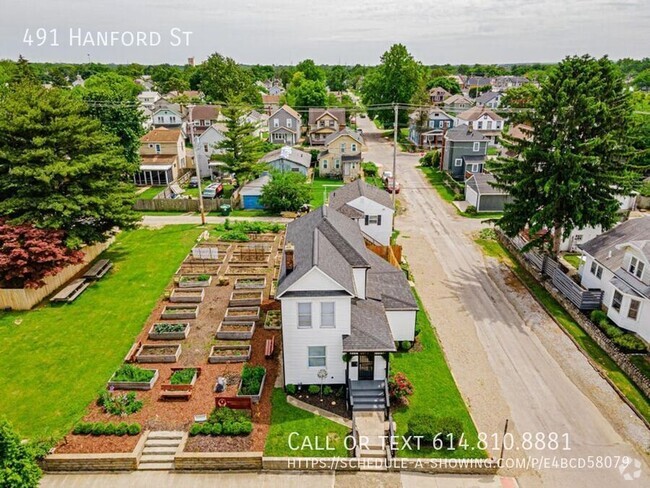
{"x": 386, "y": 175}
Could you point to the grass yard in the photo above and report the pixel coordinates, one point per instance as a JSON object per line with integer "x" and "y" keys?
{"x": 150, "y": 192}
{"x": 574, "y": 259}
{"x": 493, "y": 248}
{"x": 58, "y": 358}
{"x": 437, "y": 181}
{"x": 286, "y": 419}
{"x": 249, "y": 213}
{"x": 435, "y": 391}
{"x": 321, "y": 188}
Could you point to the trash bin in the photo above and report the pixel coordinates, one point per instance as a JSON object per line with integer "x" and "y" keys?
{"x": 224, "y": 209}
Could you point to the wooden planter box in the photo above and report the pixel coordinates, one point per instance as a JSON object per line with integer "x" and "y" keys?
{"x": 245, "y": 270}
{"x": 231, "y": 358}
{"x": 238, "y": 331}
{"x": 172, "y": 312}
{"x": 147, "y": 354}
{"x": 258, "y": 283}
{"x": 193, "y": 282}
{"x": 244, "y": 298}
{"x": 168, "y": 336}
{"x": 242, "y": 314}
{"x": 254, "y": 398}
{"x": 268, "y": 322}
{"x": 132, "y": 385}
{"x": 187, "y": 295}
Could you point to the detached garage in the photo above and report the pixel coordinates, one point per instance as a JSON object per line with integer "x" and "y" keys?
{"x": 252, "y": 191}
{"x": 480, "y": 193}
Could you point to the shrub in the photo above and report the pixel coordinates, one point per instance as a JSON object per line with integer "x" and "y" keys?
{"x": 124, "y": 404}
{"x": 183, "y": 376}
{"x": 131, "y": 373}
{"x": 82, "y": 428}
{"x": 286, "y": 192}
{"x": 446, "y": 431}
{"x": 134, "y": 429}
{"x": 17, "y": 462}
{"x": 247, "y": 427}
{"x": 216, "y": 429}
{"x": 206, "y": 429}
{"x": 629, "y": 343}
{"x": 399, "y": 387}
{"x": 327, "y": 390}
{"x": 291, "y": 389}
{"x": 405, "y": 345}
{"x": 430, "y": 159}
{"x": 98, "y": 429}
{"x": 597, "y": 316}
{"x": 195, "y": 429}
{"x": 313, "y": 389}
{"x": 109, "y": 429}
{"x": 251, "y": 379}
{"x": 471, "y": 210}
{"x": 122, "y": 429}
{"x": 369, "y": 169}
{"x": 234, "y": 236}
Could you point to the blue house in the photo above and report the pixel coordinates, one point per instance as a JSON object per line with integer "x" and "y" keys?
{"x": 252, "y": 191}
{"x": 430, "y": 135}
{"x": 288, "y": 159}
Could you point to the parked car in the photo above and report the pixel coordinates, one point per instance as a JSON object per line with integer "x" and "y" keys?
{"x": 386, "y": 175}
{"x": 390, "y": 182}
{"x": 194, "y": 182}
{"x": 213, "y": 191}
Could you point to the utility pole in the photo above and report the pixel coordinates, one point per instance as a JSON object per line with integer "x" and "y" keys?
{"x": 197, "y": 165}
{"x": 395, "y": 129}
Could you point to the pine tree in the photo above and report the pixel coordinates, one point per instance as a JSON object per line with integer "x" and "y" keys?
{"x": 569, "y": 171}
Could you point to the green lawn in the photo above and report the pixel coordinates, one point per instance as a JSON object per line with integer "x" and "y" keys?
{"x": 286, "y": 419}
{"x": 321, "y": 188}
{"x": 58, "y": 358}
{"x": 434, "y": 175}
{"x": 249, "y": 213}
{"x": 574, "y": 259}
{"x": 624, "y": 384}
{"x": 435, "y": 391}
{"x": 492, "y": 151}
{"x": 150, "y": 192}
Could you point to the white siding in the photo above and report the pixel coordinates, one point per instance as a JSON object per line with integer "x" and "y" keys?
{"x": 315, "y": 280}
{"x": 471, "y": 196}
{"x": 402, "y": 324}
{"x": 642, "y": 323}
{"x": 380, "y": 368}
{"x": 580, "y": 236}
{"x": 360, "y": 276}
{"x": 380, "y": 233}
{"x": 211, "y": 137}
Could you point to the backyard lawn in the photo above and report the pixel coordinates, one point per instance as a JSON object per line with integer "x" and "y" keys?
{"x": 574, "y": 259}
{"x": 321, "y": 188}
{"x": 435, "y": 177}
{"x": 58, "y": 358}
{"x": 286, "y": 418}
{"x": 150, "y": 192}
{"x": 435, "y": 391}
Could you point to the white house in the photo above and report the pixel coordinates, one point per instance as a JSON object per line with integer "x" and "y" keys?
{"x": 148, "y": 98}
{"x": 483, "y": 120}
{"x": 618, "y": 262}
{"x": 207, "y": 146}
{"x": 288, "y": 158}
{"x": 343, "y": 308}
{"x": 490, "y": 99}
{"x": 371, "y": 207}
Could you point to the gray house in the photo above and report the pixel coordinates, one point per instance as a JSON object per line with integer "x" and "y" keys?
{"x": 288, "y": 159}
{"x": 431, "y": 135}
{"x": 285, "y": 126}
{"x": 463, "y": 152}
{"x": 480, "y": 193}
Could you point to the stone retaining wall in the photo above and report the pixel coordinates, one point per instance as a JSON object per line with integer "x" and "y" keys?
{"x": 215, "y": 461}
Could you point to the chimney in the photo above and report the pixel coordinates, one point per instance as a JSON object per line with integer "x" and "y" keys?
{"x": 288, "y": 257}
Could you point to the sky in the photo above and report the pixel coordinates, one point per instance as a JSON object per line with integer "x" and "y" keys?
{"x": 328, "y": 31}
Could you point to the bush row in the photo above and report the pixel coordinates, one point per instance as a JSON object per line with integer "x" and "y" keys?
{"x": 229, "y": 428}
{"x": 106, "y": 428}
{"x": 625, "y": 341}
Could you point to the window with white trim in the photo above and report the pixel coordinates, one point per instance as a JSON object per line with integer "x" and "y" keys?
{"x": 317, "y": 356}
{"x": 636, "y": 267}
{"x": 480, "y": 124}
{"x": 489, "y": 124}
{"x": 373, "y": 219}
{"x": 342, "y": 147}
{"x": 617, "y": 300}
{"x": 304, "y": 315}
{"x": 158, "y": 149}
{"x": 324, "y": 163}
{"x": 276, "y": 122}
{"x": 596, "y": 269}
{"x": 474, "y": 168}
{"x": 458, "y": 162}
{"x": 633, "y": 311}
{"x": 353, "y": 147}
{"x": 289, "y": 123}
{"x": 205, "y": 148}
{"x": 337, "y": 163}
{"x": 477, "y": 146}
{"x": 327, "y": 314}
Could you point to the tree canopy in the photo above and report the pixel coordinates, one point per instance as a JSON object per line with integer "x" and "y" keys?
{"x": 286, "y": 192}
{"x": 303, "y": 92}
{"x": 221, "y": 78}
{"x": 449, "y": 84}
{"x": 18, "y": 468}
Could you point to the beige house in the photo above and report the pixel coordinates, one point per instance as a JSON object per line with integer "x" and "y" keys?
{"x": 342, "y": 155}
{"x": 323, "y": 123}
{"x": 162, "y": 157}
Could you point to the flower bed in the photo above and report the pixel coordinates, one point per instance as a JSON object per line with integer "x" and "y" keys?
{"x": 243, "y": 298}
{"x": 169, "y": 331}
{"x": 253, "y": 283}
{"x": 242, "y": 314}
{"x": 273, "y": 319}
{"x": 239, "y": 331}
{"x": 252, "y": 382}
{"x": 224, "y": 421}
{"x": 171, "y": 312}
{"x": 241, "y": 269}
{"x": 198, "y": 281}
{"x": 187, "y": 295}
{"x": 150, "y": 353}
{"x": 229, "y": 354}
{"x": 106, "y": 428}
{"x": 186, "y": 376}
{"x": 130, "y": 377}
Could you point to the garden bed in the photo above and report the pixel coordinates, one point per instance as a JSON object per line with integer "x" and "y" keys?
{"x": 253, "y": 283}
{"x": 187, "y": 295}
{"x": 333, "y": 402}
{"x": 183, "y": 376}
{"x": 273, "y": 320}
{"x": 130, "y": 377}
{"x": 189, "y": 267}
{"x": 239, "y": 331}
{"x": 240, "y": 269}
{"x": 256, "y": 247}
{"x": 169, "y": 331}
{"x": 251, "y": 384}
{"x": 195, "y": 281}
{"x": 242, "y": 314}
{"x": 151, "y": 353}
{"x": 262, "y": 237}
{"x": 171, "y": 312}
{"x": 244, "y": 298}
{"x": 229, "y": 354}
{"x": 250, "y": 257}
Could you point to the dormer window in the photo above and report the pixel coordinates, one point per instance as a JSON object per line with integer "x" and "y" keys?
{"x": 636, "y": 267}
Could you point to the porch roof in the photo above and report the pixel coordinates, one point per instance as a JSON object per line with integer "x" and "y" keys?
{"x": 369, "y": 330}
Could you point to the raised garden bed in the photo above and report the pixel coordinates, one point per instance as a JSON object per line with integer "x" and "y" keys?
{"x": 250, "y": 257}
{"x": 229, "y": 354}
{"x": 239, "y": 331}
{"x": 169, "y": 331}
{"x": 242, "y": 314}
{"x": 262, "y": 237}
{"x": 188, "y": 268}
{"x": 253, "y": 283}
{"x": 251, "y": 384}
{"x": 245, "y": 298}
{"x": 130, "y": 377}
{"x": 172, "y": 312}
{"x": 187, "y": 295}
{"x": 152, "y": 353}
{"x": 246, "y": 270}
{"x": 257, "y": 247}
{"x": 273, "y": 320}
{"x": 195, "y": 281}
{"x": 274, "y": 289}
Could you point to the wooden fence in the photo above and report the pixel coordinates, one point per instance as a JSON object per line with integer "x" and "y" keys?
{"x": 392, "y": 254}
{"x": 180, "y": 204}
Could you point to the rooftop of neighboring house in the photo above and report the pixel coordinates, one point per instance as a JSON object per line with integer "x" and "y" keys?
{"x": 464, "y": 133}
{"x": 289, "y": 110}
{"x": 520, "y": 131}
{"x": 186, "y": 93}
{"x": 205, "y": 112}
{"x": 359, "y": 188}
{"x": 163, "y": 104}
{"x": 161, "y": 134}
{"x": 271, "y": 99}
{"x": 290, "y": 154}
{"x": 487, "y": 97}
{"x": 317, "y": 113}
{"x": 481, "y": 183}
{"x": 478, "y": 81}
{"x": 456, "y": 99}
{"x": 438, "y": 89}
{"x": 433, "y": 114}
{"x": 476, "y": 113}
{"x": 344, "y": 132}
{"x": 254, "y": 187}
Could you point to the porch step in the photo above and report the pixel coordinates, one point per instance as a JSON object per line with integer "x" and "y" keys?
{"x": 156, "y": 458}
{"x": 367, "y": 385}
{"x": 159, "y": 450}
{"x": 161, "y": 443}
{"x": 368, "y": 393}
{"x": 165, "y": 434}
{"x": 156, "y": 466}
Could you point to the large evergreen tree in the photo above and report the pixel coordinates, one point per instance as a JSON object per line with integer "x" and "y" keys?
{"x": 18, "y": 468}
{"x": 59, "y": 169}
{"x": 568, "y": 174}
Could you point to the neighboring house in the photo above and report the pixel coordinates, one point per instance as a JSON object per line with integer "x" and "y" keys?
{"x": 285, "y": 126}
{"x": 480, "y": 193}
{"x": 502, "y": 83}
{"x": 477, "y": 82}
{"x": 276, "y": 90}
{"x": 288, "y": 159}
{"x": 203, "y": 116}
{"x": 489, "y": 99}
{"x": 251, "y": 192}
{"x": 618, "y": 263}
{"x": 457, "y": 102}
{"x": 431, "y": 135}
{"x": 343, "y": 308}
{"x": 438, "y": 95}
{"x": 206, "y": 147}
{"x": 162, "y": 157}
{"x": 148, "y": 98}
{"x": 79, "y": 81}
{"x": 371, "y": 207}
{"x": 261, "y": 123}
{"x": 342, "y": 155}
{"x": 189, "y": 94}
{"x": 147, "y": 115}
{"x": 324, "y": 122}
{"x": 483, "y": 120}
{"x": 271, "y": 103}
{"x": 463, "y": 152}
{"x": 169, "y": 118}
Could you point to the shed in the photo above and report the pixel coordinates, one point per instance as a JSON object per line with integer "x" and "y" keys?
{"x": 480, "y": 193}
{"x": 252, "y": 191}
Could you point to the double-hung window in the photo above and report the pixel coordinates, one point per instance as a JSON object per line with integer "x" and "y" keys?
{"x": 289, "y": 123}
{"x": 636, "y": 267}
{"x": 633, "y": 312}
{"x": 596, "y": 269}
{"x": 317, "y": 356}
{"x": 327, "y": 313}
{"x": 477, "y": 146}
{"x": 304, "y": 315}
{"x": 458, "y": 162}
{"x": 617, "y": 300}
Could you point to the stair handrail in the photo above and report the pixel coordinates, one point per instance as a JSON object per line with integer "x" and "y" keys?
{"x": 389, "y": 443}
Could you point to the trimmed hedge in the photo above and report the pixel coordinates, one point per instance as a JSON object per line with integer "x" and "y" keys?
{"x": 224, "y": 421}
{"x": 106, "y": 428}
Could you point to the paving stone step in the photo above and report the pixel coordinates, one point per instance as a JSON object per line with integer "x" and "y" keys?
{"x": 157, "y": 458}
{"x": 162, "y": 443}
{"x": 159, "y": 450}
{"x": 155, "y": 466}
{"x": 165, "y": 434}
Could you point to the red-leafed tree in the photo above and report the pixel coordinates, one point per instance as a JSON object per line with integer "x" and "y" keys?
{"x": 29, "y": 254}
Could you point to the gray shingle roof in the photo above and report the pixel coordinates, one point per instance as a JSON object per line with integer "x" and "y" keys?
{"x": 359, "y": 188}
{"x": 290, "y": 154}
{"x": 389, "y": 284}
{"x": 487, "y": 96}
{"x": 346, "y": 131}
{"x": 369, "y": 330}
{"x": 481, "y": 183}
{"x": 337, "y": 113}
{"x": 463, "y": 133}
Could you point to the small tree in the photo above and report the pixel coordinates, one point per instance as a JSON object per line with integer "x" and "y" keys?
{"x": 28, "y": 254}
{"x": 285, "y": 192}
{"x": 18, "y": 468}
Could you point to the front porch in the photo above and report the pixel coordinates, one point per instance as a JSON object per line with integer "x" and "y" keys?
{"x": 367, "y": 381}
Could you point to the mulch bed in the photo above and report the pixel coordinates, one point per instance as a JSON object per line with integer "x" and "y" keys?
{"x": 84, "y": 444}
{"x": 325, "y": 402}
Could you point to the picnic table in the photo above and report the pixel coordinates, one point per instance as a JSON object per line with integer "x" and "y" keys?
{"x": 71, "y": 291}
{"x": 99, "y": 269}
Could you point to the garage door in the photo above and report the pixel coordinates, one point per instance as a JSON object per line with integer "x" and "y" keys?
{"x": 251, "y": 201}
